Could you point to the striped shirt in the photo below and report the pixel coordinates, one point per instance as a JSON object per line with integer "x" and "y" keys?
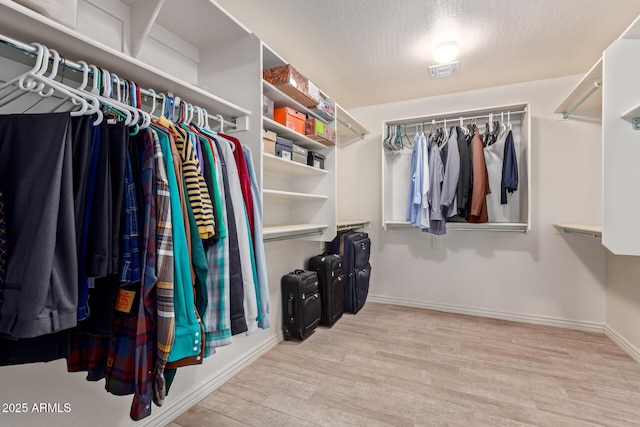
{"x": 196, "y": 186}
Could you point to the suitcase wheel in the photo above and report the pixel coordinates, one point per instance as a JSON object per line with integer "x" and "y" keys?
{"x": 286, "y": 334}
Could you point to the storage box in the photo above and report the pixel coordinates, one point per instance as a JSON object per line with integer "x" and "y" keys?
{"x": 314, "y": 92}
{"x": 299, "y": 154}
{"x": 290, "y": 118}
{"x": 269, "y": 141}
{"x": 326, "y": 108}
{"x": 290, "y": 81}
{"x": 315, "y": 159}
{"x": 320, "y": 132}
{"x": 267, "y": 107}
{"x": 284, "y": 148}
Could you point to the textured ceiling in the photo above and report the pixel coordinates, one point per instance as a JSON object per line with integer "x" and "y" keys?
{"x": 364, "y": 52}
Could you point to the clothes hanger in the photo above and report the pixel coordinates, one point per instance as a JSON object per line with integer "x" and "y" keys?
{"x": 32, "y": 79}
{"x": 509, "y": 120}
{"x": 405, "y": 136}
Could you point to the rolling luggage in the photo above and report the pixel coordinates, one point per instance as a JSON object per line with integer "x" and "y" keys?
{"x": 301, "y": 304}
{"x": 355, "y": 248}
{"x": 331, "y": 284}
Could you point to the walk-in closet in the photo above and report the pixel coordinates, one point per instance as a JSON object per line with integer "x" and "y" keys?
{"x": 281, "y": 212}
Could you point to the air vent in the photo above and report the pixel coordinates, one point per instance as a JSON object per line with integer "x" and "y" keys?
{"x": 444, "y": 70}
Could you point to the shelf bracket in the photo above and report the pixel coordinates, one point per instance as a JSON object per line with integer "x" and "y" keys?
{"x": 635, "y": 122}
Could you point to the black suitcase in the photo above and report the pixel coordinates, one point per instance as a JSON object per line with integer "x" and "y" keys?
{"x": 331, "y": 283}
{"x": 355, "y": 248}
{"x": 301, "y": 304}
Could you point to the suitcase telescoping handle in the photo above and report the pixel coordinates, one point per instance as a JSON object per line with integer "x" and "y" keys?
{"x": 290, "y": 308}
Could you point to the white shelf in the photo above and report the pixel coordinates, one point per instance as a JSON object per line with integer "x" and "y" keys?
{"x": 273, "y": 163}
{"x": 291, "y": 228}
{"x": 296, "y": 137}
{"x": 191, "y": 20}
{"x": 349, "y": 129}
{"x": 281, "y": 99}
{"x": 19, "y": 22}
{"x": 591, "y": 230}
{"x": 630, "y": 115}
{"x": 467, "y": 226}
{"x": 293, "y": 196}
{"x": 585, "y": 89}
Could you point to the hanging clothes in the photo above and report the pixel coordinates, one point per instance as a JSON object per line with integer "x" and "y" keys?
{"x": 40, "y": 290}
{"x": 260, "y": 256}
{"x": 478, "y": 211}
{"x": 449, "y": 195}
{"x": 494, "y": 159}
{"x": 414, "y": 201}
{"x": 465, "y": 178}
{"x": 437, "y": 223}
{"x": 244, "y": 239}
{"x": 509, "y": 182}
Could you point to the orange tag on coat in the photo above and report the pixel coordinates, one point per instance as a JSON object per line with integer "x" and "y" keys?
{"x": 124, "y": 300}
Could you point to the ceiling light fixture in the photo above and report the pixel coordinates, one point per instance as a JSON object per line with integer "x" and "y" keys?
{"x": 445, "y": 52}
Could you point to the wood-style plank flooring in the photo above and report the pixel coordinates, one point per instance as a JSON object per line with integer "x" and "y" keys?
{"x": 400, "y": 366}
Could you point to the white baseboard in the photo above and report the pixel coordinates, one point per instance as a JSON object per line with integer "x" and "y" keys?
{"x": 503, "y": 315}
{"x": 623, "y": 343}
{"x": 175, "y": 408}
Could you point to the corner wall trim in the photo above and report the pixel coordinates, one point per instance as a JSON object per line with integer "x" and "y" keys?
{"x": 204, "y": 389}
{"x": 514, "y": 317}
{"x": 623, "y": 343}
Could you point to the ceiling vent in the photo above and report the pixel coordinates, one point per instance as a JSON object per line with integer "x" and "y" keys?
{"x": 444, "y": 70}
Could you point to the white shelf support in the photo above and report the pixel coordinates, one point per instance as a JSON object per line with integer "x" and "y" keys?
{"x": 143, "y": 15}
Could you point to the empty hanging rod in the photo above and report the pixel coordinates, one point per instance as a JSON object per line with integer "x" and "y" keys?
{"x": 348, "y": 126}
{"x": 596, "y": 86}
{"x": 453, "y": 120}
{"x": 32, "y": 50}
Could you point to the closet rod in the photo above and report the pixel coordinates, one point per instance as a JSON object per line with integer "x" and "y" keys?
{"x": 348, "y": 126}
{"x": 31, "y": 50}
{"x": 292, "y": 236}
{"x": 596, "y": 85}
{"x": 453, "y": 119}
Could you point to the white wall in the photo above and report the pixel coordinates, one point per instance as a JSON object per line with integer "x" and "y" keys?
{"x": 540, "y": 276}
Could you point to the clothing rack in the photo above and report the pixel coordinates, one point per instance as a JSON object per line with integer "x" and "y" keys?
{"x": 74, "y": 66}
{"x": 454, "y": 119}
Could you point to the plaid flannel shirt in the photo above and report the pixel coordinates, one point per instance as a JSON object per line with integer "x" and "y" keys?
{"x": 164, "y": 267}
{"x": 133, "y": 347}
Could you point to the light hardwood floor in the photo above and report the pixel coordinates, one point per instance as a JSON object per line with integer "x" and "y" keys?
{"x": 402, "y": 366}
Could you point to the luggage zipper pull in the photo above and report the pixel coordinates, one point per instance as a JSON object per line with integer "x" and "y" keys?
{"x": 302, "y": 297}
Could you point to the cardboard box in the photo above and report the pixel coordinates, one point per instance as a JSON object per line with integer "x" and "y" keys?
{"x": 320, "y": 132}
{"x": 290, "y": 118}
{"x": 267, "y": 107}
{"x": 299, "y": 154}
{"x": 269, "y": 141}
{"x": 284, "y": 148}
{"x": 315, "y": 159}
{"x": 326, "y": 108}
{"x": 290, "y": 81}
{"x": 314, "y": 92}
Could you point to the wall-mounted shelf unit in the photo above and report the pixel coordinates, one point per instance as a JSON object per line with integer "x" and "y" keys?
{"x": 396, "y": 171}
{"x": 589, "y": 230}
